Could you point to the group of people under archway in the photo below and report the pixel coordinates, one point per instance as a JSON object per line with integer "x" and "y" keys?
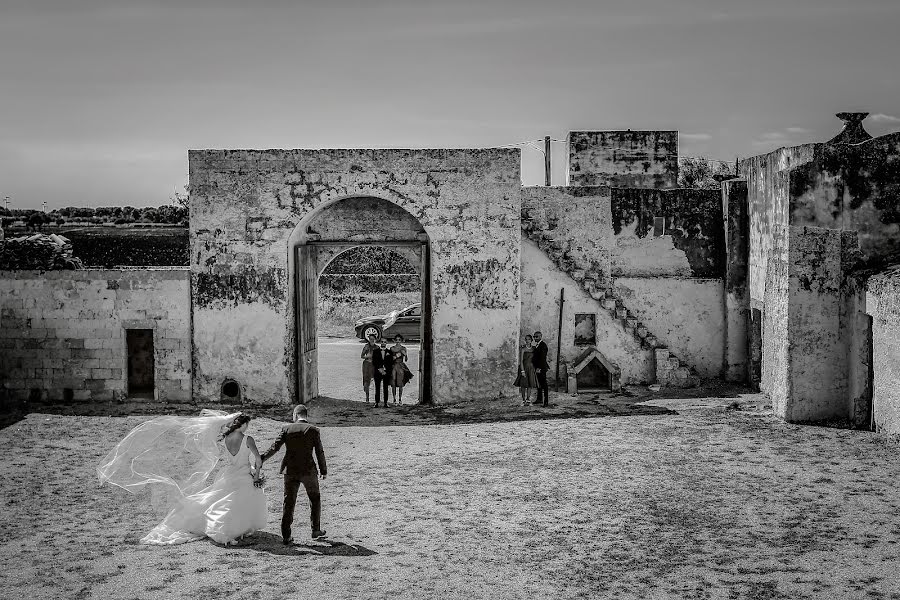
{"x": 387, "y": 367}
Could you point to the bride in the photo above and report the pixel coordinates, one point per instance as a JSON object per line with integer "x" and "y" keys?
{"x": 180, "y": 453}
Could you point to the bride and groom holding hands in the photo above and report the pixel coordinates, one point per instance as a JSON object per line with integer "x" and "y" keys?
{"x": 179, "y": 454}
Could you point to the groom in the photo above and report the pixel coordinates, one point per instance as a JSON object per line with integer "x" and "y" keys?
{"x": 302, "y": 440}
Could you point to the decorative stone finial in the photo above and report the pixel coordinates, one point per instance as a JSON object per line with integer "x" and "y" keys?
{"x": 853, "y": 132}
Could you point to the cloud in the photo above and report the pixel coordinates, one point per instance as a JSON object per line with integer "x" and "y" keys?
{"x": 797, "y": 130}
{"x": 883, "y": 118}
{"x": 773, "y": 136}
{"x": 695, "y": 137}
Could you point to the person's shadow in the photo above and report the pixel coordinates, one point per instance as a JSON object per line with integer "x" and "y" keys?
{"x": 264, "y": 541}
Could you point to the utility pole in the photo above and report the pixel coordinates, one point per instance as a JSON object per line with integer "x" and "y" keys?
{"x": 547, "y": 160}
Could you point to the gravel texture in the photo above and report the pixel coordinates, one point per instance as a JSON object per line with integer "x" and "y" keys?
{"x": 615, "y": 497}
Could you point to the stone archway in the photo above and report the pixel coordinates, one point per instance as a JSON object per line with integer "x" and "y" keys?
{"x": 332, "y": 230}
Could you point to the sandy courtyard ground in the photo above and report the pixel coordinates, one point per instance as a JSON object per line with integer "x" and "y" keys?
{"x": 658, "y": 499}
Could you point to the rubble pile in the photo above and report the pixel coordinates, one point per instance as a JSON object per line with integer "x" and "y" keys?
{"x": 39, "y": 251}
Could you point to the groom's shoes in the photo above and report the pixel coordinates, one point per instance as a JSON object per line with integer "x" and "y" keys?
{"x": 288, "y": 541}
{"x": 318, "y": 533}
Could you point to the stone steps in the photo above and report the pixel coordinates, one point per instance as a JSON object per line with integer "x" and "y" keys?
{"x": 670, "y": 370}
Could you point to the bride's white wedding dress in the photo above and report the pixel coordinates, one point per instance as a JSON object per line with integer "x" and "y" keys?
{"x": 227, "y": 509}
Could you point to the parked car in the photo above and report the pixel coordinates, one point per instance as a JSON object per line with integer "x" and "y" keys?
{"x": 408, "y": 324}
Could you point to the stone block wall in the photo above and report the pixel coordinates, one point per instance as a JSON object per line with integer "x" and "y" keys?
{"x": 625, "y": 159}
{"x": 246, "y": 205}
{"x": 62, "y": 333}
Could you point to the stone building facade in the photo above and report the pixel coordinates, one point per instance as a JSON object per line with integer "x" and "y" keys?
{"x": 781, "y": 279}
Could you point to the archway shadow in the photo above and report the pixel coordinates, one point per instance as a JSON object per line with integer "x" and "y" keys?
{"x": 270, "y": 543}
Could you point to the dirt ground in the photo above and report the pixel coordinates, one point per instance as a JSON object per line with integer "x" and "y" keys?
{"x": 631, "y": 496}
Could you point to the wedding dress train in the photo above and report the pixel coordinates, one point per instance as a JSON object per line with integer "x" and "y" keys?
{"x": 227, "y": 509}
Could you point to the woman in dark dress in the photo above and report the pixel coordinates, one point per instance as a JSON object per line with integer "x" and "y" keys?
{"x": 400, "y": 373}
{"x": 527, "y": 377}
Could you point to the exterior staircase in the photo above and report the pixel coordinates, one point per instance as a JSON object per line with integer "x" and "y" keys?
{"x": 670, "y": 370}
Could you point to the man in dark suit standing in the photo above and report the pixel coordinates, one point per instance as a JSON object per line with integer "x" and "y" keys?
{"x": 539, "y": 360}
{"x": 382, "y": 362}
{"x": 302, "y": 439}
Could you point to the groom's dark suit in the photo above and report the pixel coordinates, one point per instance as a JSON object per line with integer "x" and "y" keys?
{"x": 539, "y": 361}
{"x": 302, "y": 439}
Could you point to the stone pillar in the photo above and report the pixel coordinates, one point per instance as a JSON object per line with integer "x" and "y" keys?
{"x": 737, "y": 295}
{"x": 817, "y": 352}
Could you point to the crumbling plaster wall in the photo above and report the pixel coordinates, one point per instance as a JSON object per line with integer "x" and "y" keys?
{"x": 686, "y": 314}
{"x": 768, "y": 201}
{"x": 693, "y": 244}
{"x": 818, "y": 329}
{"x": 853, "y": 187}
{"x": 246, "y": 204}
{"x": 541, "y": 285}
{"x": 626, "y": 159}
{"x": 883, "y": 303}
{"x": 580, "y": 217}
{"x": 66, "y": 329}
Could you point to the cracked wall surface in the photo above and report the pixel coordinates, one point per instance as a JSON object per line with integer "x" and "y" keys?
{"x": 245, "y": 206}
{"x": 883, "y": 303}
{"x": 65, "y": 330}
{"x": 625, "y": 159}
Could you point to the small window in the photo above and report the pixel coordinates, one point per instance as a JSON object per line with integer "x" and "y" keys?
{"x": 659, "y": 226}
{"x": 585, "y": 329}
{"x": 415, "y": 311}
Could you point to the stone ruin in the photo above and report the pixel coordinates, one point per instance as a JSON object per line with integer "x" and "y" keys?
{"x": 782, "y": 279}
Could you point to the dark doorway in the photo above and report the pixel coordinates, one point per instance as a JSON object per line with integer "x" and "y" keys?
{"x": 316, "y": 341}
{"x": 868, "y": 409}
{"x": 139, "y": 343}
{"x": 754, "y": 365}
{"x": 594, "y": 376}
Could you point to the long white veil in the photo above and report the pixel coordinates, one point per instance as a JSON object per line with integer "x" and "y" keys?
{"x": 178, "y": 452}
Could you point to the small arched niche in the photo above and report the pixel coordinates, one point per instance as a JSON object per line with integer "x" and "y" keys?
{"x": 592, "y": 371}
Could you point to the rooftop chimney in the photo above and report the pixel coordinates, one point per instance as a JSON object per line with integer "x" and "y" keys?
{"x": 853, "y": 132}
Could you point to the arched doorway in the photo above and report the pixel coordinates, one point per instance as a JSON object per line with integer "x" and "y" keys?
{"x": 331, "y": 231}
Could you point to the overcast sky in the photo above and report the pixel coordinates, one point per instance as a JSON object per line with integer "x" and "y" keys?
{"x": 100, "y": 99}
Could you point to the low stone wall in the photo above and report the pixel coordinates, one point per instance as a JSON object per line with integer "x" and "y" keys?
{"x": 63, "y": 333}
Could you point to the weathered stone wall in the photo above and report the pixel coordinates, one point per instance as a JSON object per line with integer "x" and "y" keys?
{"x": 541, "y": 285}
{"x": 736, "y": 366}
{"x": 66, "y": 330}
{"x": 768, "y": 201}
{"x": 686, "y": 314}
{"x": 854, "y": 187}
{"x": 581, "y": 218}
{"x": 245, "y": 206}
{"x": 818, "y": 378}
{"x": 692, "y": 244}
{"x": 883, "y": 303}
{"x": 625, "y": 159}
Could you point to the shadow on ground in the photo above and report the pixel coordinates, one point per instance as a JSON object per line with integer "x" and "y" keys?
{"x": 271, "y": 544}
{"x": 338, "y": 412}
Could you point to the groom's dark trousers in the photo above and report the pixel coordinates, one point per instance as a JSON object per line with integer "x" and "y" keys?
{"x": 299, "y": 468}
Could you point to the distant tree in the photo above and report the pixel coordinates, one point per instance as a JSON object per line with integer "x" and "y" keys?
{"x": 703, "y": 173}
{"x": 36, "y": 221}
{"x": 60, "y": 221}
{"x": 181, "y": 199}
